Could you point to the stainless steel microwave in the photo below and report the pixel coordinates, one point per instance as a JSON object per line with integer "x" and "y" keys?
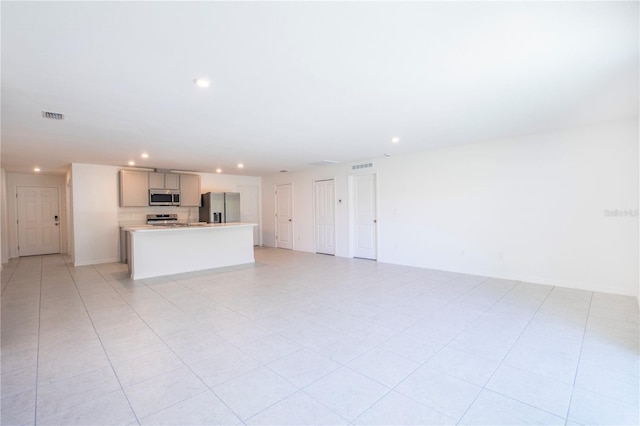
{"x": 164, "y": 197}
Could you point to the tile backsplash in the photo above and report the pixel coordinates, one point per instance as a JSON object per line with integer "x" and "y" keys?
{"x": 128, "y": 216}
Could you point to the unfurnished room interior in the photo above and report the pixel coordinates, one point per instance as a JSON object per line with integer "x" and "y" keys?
{"x": 320, "y": 213}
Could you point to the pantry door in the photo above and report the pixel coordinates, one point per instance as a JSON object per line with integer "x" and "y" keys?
{"x": 284, "y": 216}
{"x": 325, "y": 213}
{"x": 38, "y": 220}
{"x": 363, "y": 218}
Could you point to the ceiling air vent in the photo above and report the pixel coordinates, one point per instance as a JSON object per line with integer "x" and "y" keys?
{"x": 324, "y": 163}
{"x": 362, "y": 166}
{"x": 52, "y": 115}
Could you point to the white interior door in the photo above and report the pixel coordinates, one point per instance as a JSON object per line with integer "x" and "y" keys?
{"x": 365, "y": 225}
{"x": 38, "y": 220}
{"x": 325, "y": 216}
{"x": 284, "y": 216}
{"x": 249, "y": 209}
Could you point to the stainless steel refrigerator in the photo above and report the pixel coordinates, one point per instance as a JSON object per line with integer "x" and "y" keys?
{"x": 220, "y": 207}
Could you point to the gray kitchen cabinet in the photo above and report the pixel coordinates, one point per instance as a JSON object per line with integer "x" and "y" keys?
{"x": 190, "y": 190}
{"x": 156, "y": 180}
{"x": 164, "y": 181}
{"x": 134, "y": 188}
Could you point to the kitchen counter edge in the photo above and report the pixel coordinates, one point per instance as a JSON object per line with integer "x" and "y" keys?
{"x": 161, "y": 228}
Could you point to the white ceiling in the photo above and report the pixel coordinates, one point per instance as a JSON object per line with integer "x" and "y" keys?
{"x": 295, "y": 83}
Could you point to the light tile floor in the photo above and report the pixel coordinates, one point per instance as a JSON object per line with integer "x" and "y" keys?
{"x": 299, "y": 339}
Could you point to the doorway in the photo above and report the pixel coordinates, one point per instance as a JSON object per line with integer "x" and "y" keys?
{"x": 324, "y": 194}
{"x": 364, "y": 224}
{"x": 284, "y": 216}
{"x": 38, "y": 220}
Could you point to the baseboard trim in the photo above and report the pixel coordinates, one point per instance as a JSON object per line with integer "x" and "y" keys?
{"x": 96, "y": 262}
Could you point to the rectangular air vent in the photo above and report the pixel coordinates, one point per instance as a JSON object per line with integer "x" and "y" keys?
{"x": 52, "y": 115}
{"x": 324, "y": 163}
{"x": 362, "y": 166}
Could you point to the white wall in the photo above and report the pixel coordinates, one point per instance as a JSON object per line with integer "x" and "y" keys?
{"x": 303, "y": 213}
{"x": 529, "y": 208}
{"x": 4, "y": 235}
{"x": 229, "y": 183}
{"x": 96, "y": 215}
{"x": 94, "y": 192}
{"x": 13, "y": 180}
{"x": 69, "y": 219}
{"x": 211, "y": 182}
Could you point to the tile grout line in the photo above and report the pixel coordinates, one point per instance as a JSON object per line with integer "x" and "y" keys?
{"x": 297, "y": 389}
{"x": 439, "y": 350}
{"x": 575, "y": 377}
{"x": 455, "y": 337}
{"x": 13, "y": 271}
{"x": 484, "y": 387}
{"x": 84, "y": 305}
{"x": 35, "y": 411}
{"x": 455, "y": 316}
{"x": 172, "y": 351}
{"x": 393, "y": 389}
{"x": 164, "y": 297}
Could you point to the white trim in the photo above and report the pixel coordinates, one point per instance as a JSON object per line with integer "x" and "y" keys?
{"x": 96, "y": 262}
{"x": 593, "y": 287}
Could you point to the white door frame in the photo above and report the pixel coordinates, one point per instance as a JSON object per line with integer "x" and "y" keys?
{"x": 352, "y": 219}
{"x": 335, "y": 234}
{"x": 17, "y": 215}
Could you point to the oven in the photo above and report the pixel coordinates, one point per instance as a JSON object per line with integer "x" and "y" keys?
{"x": 162, "y": 219}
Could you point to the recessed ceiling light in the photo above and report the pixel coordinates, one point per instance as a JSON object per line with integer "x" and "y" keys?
{"x": 36, "y": 169}
{"x": 395, "y": 140}
{"x": 132, "y": 163}
{"x": 144, "y": 155}
{"x": 218, "y": 170}
{"x": 240, "y": 165}
{"x": 202, "y": 82}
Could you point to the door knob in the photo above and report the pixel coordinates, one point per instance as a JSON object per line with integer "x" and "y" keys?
{"x": 375, "y": 221}
{"x": 289, "y": 220}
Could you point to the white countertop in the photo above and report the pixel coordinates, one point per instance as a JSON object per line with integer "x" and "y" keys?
{"x": 191, "y": 227}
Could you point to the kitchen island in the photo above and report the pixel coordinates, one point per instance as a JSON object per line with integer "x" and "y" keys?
{"x": 165, "y": 250}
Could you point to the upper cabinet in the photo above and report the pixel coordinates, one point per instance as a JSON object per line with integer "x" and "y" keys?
{"x": 134, "y": 188}
{"x": 164, "y": 181}
{"x": 190, "y": 190}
